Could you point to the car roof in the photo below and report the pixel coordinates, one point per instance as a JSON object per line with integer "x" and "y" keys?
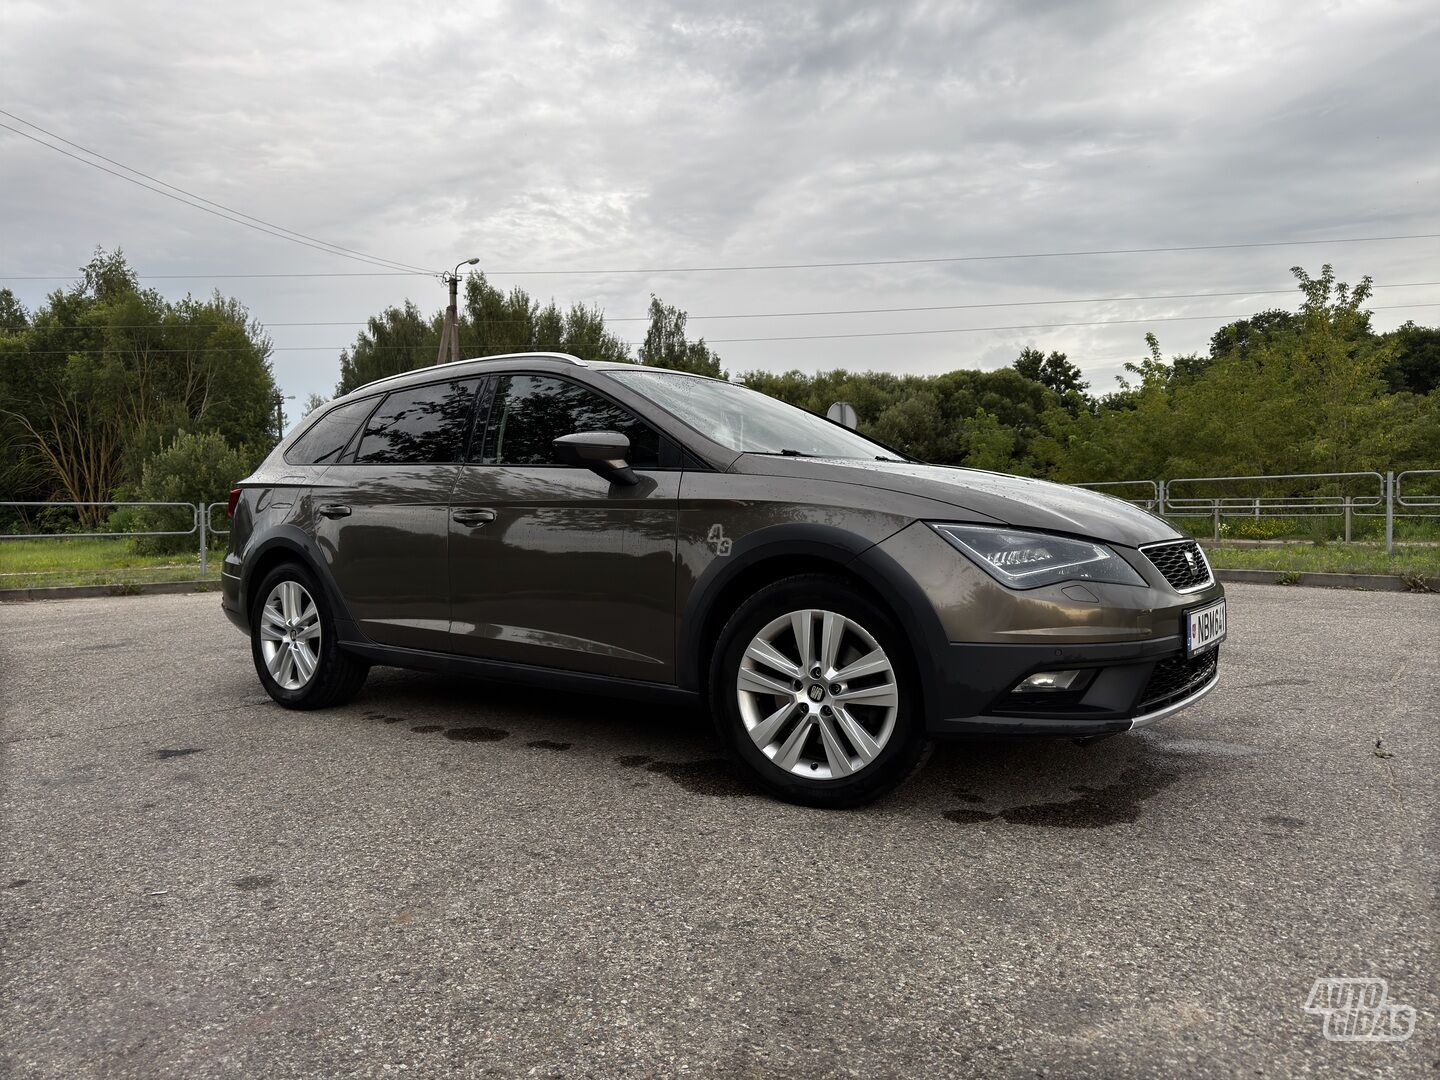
{"x": 543, "y": 361}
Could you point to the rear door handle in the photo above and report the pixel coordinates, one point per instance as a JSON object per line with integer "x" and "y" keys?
{"x": 334, "y": 510}
{"x": 473, "y": 516}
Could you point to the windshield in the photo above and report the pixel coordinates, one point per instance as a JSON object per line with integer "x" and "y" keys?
{"x": 746, "y": 420}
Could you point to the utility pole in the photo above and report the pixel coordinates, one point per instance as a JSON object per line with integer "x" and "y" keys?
{"x": 280, "y": 400}
{"x": 451, "y": 334}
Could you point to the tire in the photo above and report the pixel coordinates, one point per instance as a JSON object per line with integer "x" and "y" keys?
{"x": 335, "y": 676}
{"x": 856, "y": 745}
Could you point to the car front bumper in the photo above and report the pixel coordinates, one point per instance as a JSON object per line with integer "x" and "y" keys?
{"x": 1126, "y": 685}
{"x": 975, "y": 641}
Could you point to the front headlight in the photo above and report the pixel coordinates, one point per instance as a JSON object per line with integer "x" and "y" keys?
{"x": 1026, "y": 560}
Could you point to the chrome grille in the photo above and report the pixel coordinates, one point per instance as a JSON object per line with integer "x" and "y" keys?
{"x": 1182, "y": 563}
{"x": 1176, "y": 676}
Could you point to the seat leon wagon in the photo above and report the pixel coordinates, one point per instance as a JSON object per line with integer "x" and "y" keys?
{"x": 651, "y": 533}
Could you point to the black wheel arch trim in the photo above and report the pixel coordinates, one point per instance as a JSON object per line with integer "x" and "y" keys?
{"x": 296, "y": 543}
{"x": 858, "y": 555}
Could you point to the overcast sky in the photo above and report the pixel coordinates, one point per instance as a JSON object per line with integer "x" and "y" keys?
{"x": 608, "y": 136}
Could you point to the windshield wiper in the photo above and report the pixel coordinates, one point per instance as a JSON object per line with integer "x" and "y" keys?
{"x": 795, "y": 453}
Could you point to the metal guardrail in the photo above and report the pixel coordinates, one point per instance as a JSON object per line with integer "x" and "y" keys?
{"x": 1149, "y": 504}
{"x": 1416, "y": 500}
{"x": 1382, "y": 497}
{"x": 200, "y": 517}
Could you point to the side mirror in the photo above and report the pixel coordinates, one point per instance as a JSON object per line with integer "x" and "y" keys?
{"x": 602, "y": 452}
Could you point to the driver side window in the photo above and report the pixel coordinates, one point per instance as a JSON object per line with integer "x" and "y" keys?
{"x": 529, "y": 412}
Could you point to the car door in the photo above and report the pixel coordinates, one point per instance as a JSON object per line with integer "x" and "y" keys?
{"x": 382, "y": 513}
{"x": 553, "y": 565}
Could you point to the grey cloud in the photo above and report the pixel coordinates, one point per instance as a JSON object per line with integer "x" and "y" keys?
{"x": 610, "y": 134}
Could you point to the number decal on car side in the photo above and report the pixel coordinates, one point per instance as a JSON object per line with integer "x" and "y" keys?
{"x": 717, "y": 539}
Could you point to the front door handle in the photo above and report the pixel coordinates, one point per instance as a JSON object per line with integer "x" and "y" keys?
{"x": 334, "y": 510}
{"x": 473, "y": 516}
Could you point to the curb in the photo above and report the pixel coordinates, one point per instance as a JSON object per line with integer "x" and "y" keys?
{"x": 85, "y": 592}
{"x": 1370, "y": 582}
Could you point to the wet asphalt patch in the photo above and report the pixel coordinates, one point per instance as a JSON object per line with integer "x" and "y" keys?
{"x": 717, "y": 777}
{"x": 476, "y": 734}
{"x": 1117, "y": 803}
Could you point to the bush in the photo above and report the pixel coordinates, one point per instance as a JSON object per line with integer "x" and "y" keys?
{"x": 192, "y": 469}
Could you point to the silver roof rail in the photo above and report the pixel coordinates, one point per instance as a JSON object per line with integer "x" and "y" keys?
{"x": 564, "y": 357}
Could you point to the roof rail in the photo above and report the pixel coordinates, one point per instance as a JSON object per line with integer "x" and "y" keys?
{"x": 565, "y": 357}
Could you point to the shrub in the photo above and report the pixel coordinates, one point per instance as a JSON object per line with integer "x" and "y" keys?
{"x": 192, "y": 469}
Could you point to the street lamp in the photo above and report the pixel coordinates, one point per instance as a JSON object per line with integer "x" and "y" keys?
{"x": 451, "y": 333}
{"x": 280, "y": 400}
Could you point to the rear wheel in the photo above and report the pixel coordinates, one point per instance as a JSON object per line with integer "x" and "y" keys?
{"x": 812, "y": 688}
{"x": 292, "y": 639}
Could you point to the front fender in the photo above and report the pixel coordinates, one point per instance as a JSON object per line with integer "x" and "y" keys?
{"x": 828, "y": 546}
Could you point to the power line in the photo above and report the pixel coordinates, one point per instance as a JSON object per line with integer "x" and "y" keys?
{"x": 769, "y": 266}
{"x": 843, "y": 311}
{"x": 225, "y": 212}
{"x": 966, "y": 258}
{"x": 1027, "y": 326}
{"x": 798, "y": 337}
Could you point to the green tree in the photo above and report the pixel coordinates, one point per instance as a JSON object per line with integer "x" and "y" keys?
{"x": 14, "y": 319}
{"x": 398, "y": 339}
{"x": 106, "y": 373}
{"x": 989, "y": 444}
{"x": 1415, "y": 364}
{"x": 1246, "y": 334}
{"x": 1058, "y": 374}
{"x": 666, "y": 345}
{"x": 490, "y": 323}
{"x": 192, "y": 468}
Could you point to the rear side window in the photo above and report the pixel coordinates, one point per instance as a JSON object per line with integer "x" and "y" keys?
{"x": 529, "y": 412}
{"x": 327, "y": 438}
{"x": 420, "y": 425}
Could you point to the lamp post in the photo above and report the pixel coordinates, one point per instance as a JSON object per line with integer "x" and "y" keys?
{"x": 451, "y": 333}
{"x": 280, "y": 400}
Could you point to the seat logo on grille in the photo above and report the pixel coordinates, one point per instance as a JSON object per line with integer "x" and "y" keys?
{"x": 1190, "y": 561}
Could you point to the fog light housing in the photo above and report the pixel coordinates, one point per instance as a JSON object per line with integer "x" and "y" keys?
{"x": 1044, "y": 682}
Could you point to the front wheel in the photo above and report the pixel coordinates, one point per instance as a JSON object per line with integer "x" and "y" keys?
{"x": 812, "y": 687}
{"x": 293, "y": 641}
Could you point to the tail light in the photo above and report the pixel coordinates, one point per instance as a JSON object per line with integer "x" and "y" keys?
{"x": 234, "y": 498}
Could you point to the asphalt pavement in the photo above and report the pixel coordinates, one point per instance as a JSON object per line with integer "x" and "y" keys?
{"x": 449, "y": 877}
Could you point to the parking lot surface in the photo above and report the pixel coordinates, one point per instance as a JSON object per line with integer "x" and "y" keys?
{"x": 452, "y": 877}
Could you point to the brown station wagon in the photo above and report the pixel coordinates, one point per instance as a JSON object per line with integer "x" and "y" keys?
{"x": 661, "y": 535}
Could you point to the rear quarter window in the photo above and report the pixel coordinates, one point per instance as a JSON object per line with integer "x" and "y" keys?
{"x": 326, "y": 439}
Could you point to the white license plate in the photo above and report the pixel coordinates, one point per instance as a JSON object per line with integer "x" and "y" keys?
{"x": 1204, "y": 627}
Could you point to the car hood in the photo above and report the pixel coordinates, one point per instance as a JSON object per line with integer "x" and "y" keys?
{"x": 1016, "y": 500}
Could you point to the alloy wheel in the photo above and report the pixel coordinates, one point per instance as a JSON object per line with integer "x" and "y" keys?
{"x": 817, "y": 694}
{"x": 290, "y": 635}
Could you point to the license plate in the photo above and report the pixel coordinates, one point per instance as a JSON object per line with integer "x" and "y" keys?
{"x": 1204, "y": 628}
